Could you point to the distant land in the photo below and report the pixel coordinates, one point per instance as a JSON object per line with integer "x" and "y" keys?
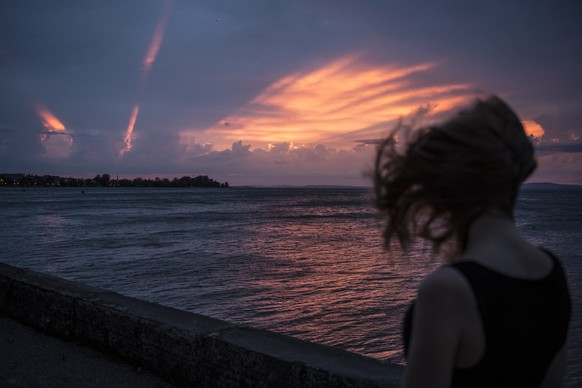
{"x": 105, "y": 180}
{"x": 550, "y": 186}
{"x": 304, "y": 187}
{"x": 526, "y": 186}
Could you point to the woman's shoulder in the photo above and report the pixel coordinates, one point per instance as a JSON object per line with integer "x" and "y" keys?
{"x": 446, "y": 285}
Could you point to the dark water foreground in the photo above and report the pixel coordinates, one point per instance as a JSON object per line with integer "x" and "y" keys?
{"x": 303, "y": 262}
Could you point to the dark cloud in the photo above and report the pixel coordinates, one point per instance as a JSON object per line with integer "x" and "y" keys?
{"x": 552, "y": 148}
{"x": 564, "y": 126}
{"x": 281, "y": 164}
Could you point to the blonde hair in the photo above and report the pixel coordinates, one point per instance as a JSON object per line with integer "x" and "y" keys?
{"x": 451, "y": 173}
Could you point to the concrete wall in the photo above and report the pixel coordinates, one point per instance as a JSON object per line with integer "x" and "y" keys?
{"x": 185, "y": 348}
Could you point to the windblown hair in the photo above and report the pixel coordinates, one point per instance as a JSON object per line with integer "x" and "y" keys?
{"x": 449, "y": 174}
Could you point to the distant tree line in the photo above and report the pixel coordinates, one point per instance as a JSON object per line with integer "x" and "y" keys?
{"x": 29, "y": 180}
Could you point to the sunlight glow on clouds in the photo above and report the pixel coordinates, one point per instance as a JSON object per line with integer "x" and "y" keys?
{"x": 533, "y": 129}
{"x": 274, "y": 93}
{"x": 319, "y": 125}
{"x": 147, "y": 64}
{"x": 56, "y": 141}
{"x": 49, "y": 121}
{"x": 333, "y": 103}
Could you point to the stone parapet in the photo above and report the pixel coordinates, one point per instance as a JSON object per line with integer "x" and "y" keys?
{"x": 184, "y": 348}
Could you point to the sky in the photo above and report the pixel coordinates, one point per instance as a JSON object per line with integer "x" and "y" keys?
{"x": 272, "y": 92}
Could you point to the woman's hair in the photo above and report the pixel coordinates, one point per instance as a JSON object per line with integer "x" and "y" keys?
{"x": 449, "y": 174}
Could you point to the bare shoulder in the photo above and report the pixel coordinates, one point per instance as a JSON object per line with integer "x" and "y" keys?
{"x": 446, "y": 285}
{"x": 439, "y": 318}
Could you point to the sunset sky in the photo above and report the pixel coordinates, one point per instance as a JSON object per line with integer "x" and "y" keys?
{"x": 273, "y": 92}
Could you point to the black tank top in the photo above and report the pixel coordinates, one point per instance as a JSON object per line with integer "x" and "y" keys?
{"x": 525, "y": 324}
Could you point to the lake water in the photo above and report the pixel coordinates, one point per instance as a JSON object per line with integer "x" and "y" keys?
{"x": 305, "y": 262}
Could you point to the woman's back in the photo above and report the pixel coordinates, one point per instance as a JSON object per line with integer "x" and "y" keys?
{"x": 510, "y": 329}
{"x": 512, "y": 307}
{"x": 524, "y": 323}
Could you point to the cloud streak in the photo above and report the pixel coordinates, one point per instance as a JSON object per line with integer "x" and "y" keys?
{"x": 148, "y": 62}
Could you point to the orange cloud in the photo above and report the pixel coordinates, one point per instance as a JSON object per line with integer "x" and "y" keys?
{"x": 148, "y": 62}
{"x": 129, "y": 130}
{"x": 156, "y": 40}
{"x": 331, "y": 103}
{"x": 533, "y": 129}
{"x": 49, "y": 120}
{"x": 57, "y": 146}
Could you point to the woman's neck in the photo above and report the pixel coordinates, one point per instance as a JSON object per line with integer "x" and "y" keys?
{"x": 493, "y": 229}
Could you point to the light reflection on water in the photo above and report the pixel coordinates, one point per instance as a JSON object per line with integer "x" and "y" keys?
{"x": 305, "y": 262}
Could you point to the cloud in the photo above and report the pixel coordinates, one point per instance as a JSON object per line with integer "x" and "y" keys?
{"x": 310, "y": 83}
{"x": 190, "y": 146}
{"x": 533, "y": 129}
{"x": 285, "y": 163}
{"x": 559, "y": 167}
{"x": 550, "y": 148}
{"x": 369, "y": 141}
{"x": 559, "y": 148}
{"x": 563, "y": 126}
{"x": 333, "y": 102}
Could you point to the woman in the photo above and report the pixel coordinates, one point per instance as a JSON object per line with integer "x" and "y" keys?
{"x": 497, "y": 314}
